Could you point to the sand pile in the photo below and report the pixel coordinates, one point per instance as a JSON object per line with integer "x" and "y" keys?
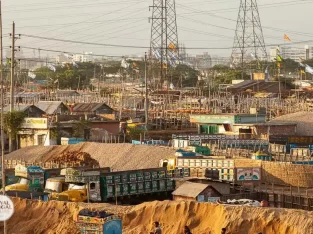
{"x": 116, "y": 156}
{"x": 34, "y": 217}
{"x": 209, "y": 218}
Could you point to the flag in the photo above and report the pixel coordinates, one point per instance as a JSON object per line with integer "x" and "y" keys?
{"x": 172, "y": 46}
{"x": 51, "y": 67}
{"x": 279, "y": 58}
{"x": 31, "y": 75}
{"x": 308, "y": 69}
{"x": 124, "y": 63}
{"x": 286, "y": 38}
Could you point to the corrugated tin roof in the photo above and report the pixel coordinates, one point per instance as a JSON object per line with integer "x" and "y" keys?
{"x": 189, "y": 189}
{"x": 26, "y": 95}
{"x": 88, "y": 107}
{"x": 49, "y": 107}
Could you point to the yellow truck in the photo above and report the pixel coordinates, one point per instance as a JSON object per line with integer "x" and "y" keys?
{"x": 74, "y": 185}
{"x": 31, "y": 179}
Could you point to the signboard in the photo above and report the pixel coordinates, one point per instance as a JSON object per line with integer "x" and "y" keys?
{"x": 213, "y": 119}
{"x": 20, "y": 171}
{"x": 248, "y": 174}
{"x": 301, "y": 140}
{"x": 6, "y": 208}
{"x": 35, "y": 123}
{"x": 259, "y": 76}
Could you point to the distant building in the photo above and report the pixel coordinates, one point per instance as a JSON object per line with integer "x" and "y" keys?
{"x": 61, "y": 58}
{"x": 291, "y": 52}
{"x": 83, "y": 58}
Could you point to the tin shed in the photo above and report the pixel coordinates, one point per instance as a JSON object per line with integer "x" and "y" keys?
{"x": 195, "y": 192}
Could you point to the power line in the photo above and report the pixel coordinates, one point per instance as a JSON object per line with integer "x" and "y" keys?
{"x": 141, "y": 47}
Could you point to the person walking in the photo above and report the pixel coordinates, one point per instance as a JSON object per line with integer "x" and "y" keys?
{"x": 187, "y": 230}
{"x": 157, "y": 229}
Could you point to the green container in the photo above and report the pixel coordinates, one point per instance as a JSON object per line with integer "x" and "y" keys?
{"x": 148, "y": 186}
{"x": 162, "y": 185}
{"x": 141, "y": 187}
{"x": 170, "y": 185}
{"x": 133, "y": 188}
{"x": 140, "y": 176}
{"x": 147, "y": 175}
{"x": 154, "y": 175}
{"x": 125, "y": 190}
{"x": 132, "y": 177}
{"x": 155, "y": 185}
{"x": 161, "y": 174}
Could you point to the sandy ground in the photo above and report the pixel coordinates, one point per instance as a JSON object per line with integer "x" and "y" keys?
{"x": 116, "y": 156}
{"x": 36, "y": 217}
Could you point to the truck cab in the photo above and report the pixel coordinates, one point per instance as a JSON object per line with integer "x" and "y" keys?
{"x": 170, "y": 163}
{"x": 74, "y": 186}
{"x": 29, "y": 179}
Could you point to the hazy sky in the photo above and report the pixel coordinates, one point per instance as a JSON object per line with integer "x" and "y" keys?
{"x": 126, "y": 23}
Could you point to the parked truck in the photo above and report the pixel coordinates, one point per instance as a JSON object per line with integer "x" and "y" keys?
{"x": 211, "y": 168}
{"x": 76, "y": 185}
{"x": 102, "y": 187}
{"x": 30, "y": 179}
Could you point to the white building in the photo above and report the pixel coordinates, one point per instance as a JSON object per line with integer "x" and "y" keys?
{"x": 62, "y": 59}
{"x": 83, "y": 58}
{"x": 292, "y": 52}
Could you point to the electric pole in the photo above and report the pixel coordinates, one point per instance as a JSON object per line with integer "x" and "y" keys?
{"x": 5, "y": 230}
{"x": 146, "y": 94}
{"x": 12, "y": 68}
{"x": 12, "y": 78}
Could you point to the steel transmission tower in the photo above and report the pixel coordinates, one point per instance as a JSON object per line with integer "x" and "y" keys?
{"x": 249, "y": 41}
{"x": 164, "y": 48}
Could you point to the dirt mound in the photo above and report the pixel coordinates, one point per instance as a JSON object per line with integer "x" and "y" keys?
{"x": 77, "y": 158}
{"x": 116, "y": 156}
{"x": 209, "y": 218}
{"x": 34, "y": 217}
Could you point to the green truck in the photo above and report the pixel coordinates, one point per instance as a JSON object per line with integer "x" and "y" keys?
{"x": 104, "y": 187}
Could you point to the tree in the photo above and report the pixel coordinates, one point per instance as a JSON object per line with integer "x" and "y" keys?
{"x": 79, "y": 129}
{"x": 134, "y": 133}
{"x": 12, "y": 123}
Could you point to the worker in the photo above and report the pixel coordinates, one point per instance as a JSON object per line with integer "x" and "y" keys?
{"x": 223, "y": 231}
{"x": 157, "y": 228}
{"x": 187, "y": 230}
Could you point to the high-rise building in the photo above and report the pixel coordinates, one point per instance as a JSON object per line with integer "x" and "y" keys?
{"x": 292, "y": 52}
